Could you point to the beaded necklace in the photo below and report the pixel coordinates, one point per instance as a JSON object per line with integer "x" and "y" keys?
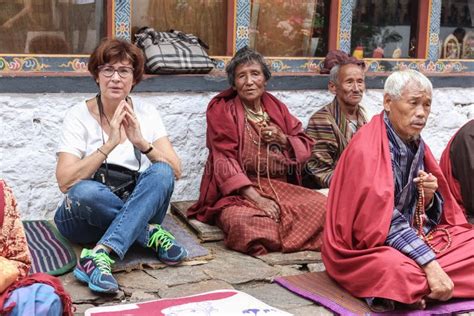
{"x": 420, "y": 218}
{"x": 261, "y": 119}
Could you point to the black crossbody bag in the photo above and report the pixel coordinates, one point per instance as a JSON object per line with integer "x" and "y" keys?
{"x": 120, "y": 180}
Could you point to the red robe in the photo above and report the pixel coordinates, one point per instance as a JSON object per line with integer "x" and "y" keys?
{"x": 446, "y": 167}
{"x": 360, "y": 207}
{"x": 223, "y": 173}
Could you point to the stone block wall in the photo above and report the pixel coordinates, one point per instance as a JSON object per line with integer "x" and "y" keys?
{"x": 31, "y": 124}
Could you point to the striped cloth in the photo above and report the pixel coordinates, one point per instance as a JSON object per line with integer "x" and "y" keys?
{"x": 330, "y": 128}
{"x": 50, "y": 252}
{"x": 407, "y": 160}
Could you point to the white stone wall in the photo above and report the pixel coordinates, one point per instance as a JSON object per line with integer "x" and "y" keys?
{"x": 31, "y": 123}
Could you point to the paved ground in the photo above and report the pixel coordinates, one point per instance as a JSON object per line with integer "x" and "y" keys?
{"x": 228, "y": 270}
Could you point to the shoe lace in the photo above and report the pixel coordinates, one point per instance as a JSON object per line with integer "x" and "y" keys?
{"x": 161, "y": 238}
{"x": 103, "y": 262}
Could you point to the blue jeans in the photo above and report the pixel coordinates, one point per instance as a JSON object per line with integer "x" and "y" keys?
{"x": 91, "y": 213}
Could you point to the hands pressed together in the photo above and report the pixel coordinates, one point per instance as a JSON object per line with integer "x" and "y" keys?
{"x": 125, "y": 117}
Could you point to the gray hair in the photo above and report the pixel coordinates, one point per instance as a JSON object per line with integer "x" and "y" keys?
{"x": 398, "y": 80}
{"x": 244, "y": 56}
{"x": 336, "y": 69}
{"x": 334, "y": 74}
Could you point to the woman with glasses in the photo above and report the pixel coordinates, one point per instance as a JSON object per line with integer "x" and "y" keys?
{"x": 116, "y": 167}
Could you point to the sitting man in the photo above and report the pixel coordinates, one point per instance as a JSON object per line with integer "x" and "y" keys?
{"x": 457, "y": 163}
{"x": 394, "y": 233}
{"x": 333, "y": 126}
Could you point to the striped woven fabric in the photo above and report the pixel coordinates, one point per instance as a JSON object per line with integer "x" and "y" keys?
{"x": 321, "y": 289}
{"x": 50, "y": 252}
{"x": 329, "y": 127}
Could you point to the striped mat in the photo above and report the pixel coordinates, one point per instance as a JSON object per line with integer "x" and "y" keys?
{"x": 321, "y": 289}
{"x": 50, "y": 252}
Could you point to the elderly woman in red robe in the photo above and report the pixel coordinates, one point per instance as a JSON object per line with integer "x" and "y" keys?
{"x": 256, "y": 152}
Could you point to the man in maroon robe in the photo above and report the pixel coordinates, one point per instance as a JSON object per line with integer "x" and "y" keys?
{"x": 457, "y": 163}
{"x": 394, "y": 232}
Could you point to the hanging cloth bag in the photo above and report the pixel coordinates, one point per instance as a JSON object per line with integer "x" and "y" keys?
{"x": 173, "y": 52}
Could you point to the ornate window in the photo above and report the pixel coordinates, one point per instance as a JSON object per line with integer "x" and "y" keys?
{"x": 51, "y": 26}
{"x": 56, "y": 36}
{"x": 207, "y": 19}
{"x": 384, "y": 29}
{"x": 456, "y": 35}
{"x": 289, "y": 28}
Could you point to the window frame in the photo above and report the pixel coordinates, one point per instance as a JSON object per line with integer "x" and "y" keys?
{"x": 118, "y": 24}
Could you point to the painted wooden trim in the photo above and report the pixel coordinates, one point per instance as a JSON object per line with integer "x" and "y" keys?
{"x": 423, "y": 25}
{"x": 345, "y": 25}
{"x": 23, "y": 64}
{"x": 109, "y": 18}
{"x": 122, "y": 19}
{"x": 242, "y": 18}
{"x": 231, "y": 26}
{"x": 335, "y": 9}
{"x": 435, "y": 27}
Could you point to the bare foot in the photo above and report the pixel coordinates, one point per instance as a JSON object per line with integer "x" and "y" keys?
{"x": 421, "y": 304}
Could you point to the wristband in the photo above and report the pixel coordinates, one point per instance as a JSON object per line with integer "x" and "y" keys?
{"x": 148, "y": 150}
{"x": 100, "y": 151}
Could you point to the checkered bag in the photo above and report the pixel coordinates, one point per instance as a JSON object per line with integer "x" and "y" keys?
{"x": 173, "y": 52}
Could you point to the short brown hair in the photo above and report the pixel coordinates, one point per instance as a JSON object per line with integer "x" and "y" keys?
{"x": 116, "y": 50}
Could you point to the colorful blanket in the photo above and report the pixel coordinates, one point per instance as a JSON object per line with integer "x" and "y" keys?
{"x": 50, "y": 252}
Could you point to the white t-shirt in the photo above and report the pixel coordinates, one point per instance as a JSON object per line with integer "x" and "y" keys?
{"x": 82, "y": 135}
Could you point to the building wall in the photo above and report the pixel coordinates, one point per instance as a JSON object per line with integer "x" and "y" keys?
{"x": 31, "y": 123}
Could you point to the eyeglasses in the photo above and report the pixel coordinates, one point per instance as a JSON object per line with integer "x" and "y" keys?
{"x": 123, "y": 72}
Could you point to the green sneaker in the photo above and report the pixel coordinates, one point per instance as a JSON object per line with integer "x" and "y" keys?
{"x": 168, "y": 249}
{"x": 94, "y": 268}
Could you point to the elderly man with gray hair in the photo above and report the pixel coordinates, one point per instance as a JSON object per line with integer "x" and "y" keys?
{"x": 394, "y": 232}
{"x": 333, "y": 126}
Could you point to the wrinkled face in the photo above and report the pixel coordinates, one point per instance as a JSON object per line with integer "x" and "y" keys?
{"x": 119, "y": 84}
{"x": 249, "y": 82}
{"x": 350, "y": 87}
{"x": 409, "y": 114}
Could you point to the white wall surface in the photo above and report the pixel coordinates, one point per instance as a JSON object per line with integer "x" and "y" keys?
{"x": 31, "y": 123}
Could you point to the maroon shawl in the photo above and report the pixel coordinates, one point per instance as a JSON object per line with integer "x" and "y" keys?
{"x": 446, "y": 167}
{"x": 223, "y": 172}
{"x": 360, "y": 207}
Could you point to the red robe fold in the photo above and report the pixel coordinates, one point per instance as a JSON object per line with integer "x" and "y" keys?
{"x": 223, "y": 173}
{"x": 446, "y": 167}
{"x": 360, "y": 207}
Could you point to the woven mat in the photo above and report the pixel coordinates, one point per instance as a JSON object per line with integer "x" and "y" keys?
{"x": 138, "y": 258}
{"x": 50, "y": 252}
{"x": 318, "y": 287}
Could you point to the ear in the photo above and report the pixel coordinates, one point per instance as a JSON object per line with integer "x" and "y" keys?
{"x": 332, "y": 87}
{"x": 387, "y": 102}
